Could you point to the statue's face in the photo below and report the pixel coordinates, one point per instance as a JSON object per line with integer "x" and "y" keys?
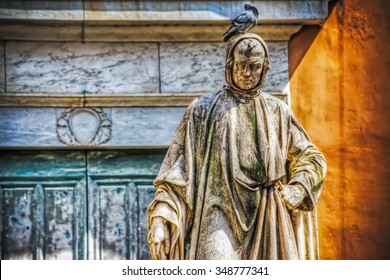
{"x": 248, "y": 64}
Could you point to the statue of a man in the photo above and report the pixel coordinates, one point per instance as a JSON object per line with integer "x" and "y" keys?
{"x": 241, "y": 178}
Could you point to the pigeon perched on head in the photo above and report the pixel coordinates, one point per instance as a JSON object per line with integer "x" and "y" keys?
{"x": 243, "y": 22}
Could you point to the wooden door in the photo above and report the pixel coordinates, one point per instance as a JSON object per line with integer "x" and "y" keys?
{"x": 76, "y": 204}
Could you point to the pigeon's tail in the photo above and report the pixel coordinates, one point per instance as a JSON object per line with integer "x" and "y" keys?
{"x": 230, "y": 33}
{"x": 227, "y": 37}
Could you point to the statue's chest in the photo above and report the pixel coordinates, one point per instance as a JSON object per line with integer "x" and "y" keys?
{"x": 238, "y": 134}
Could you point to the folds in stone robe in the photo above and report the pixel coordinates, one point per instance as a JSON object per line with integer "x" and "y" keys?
{"x": 216, "y": 186}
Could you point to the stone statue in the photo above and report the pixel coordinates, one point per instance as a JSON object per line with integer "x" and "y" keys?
{"x": 241, "y": 178}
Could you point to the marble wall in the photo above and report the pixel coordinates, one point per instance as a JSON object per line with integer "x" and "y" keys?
{"x": 36, "y": 127}
{"x": 68, "y": 68}
{"x": 28, "y": 127}
{"x": 58, "y": 61}
{"x": 54, "y": 67}
{"x": 192, "y": 67}
{"x": 126, "y": 68}
{"x": 2, "y": 68}
{"x": 202, "y": 67}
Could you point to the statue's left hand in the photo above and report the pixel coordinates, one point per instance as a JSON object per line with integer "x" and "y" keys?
{"x": 293, "y": 195}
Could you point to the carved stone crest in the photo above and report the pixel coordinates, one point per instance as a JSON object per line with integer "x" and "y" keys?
{"x": 83, "y": 126}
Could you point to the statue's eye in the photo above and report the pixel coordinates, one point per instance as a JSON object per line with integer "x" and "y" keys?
{"x": 240, "y": 66}
{"x": 255, "y": 67}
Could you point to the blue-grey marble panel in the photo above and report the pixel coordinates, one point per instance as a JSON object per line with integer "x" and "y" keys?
{"x": 191, "y": 67}
{"x": 54, "y": 67}
{"x": 277, "y": 76}
{"x": 200, "y": 67}
{"x": 144, "y": 126}
{"x": 28, "y": 127}
{"x": 2, "y": 67}
{"x": 36, "y": 127}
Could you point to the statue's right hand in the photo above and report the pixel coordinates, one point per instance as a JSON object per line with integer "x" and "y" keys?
{"x": 159, "y": 239}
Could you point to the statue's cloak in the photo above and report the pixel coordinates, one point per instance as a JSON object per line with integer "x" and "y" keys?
{"x": 216, "y": 184}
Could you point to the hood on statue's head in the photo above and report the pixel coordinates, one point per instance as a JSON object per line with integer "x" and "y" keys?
{"x": 230, "y": 63}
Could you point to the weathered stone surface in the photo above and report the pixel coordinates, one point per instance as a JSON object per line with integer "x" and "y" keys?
{"x": 144, "y": 126}
{"x": 43, "y": 100}
{"x": 159, "y": 10}
{"x": 141, "y": 127}
{"x": 41, "y": 31}
{"x": 2, "y": 67}
{"x": 192, "y": 67}
{"x": 199, "y": 67}
{"x": 277, "y": 76}
{"x": 28, "y": 127}
{"x": 81, "y": 68}
{"x": 172, "y": 32}
{"x": 41, "y": 10}
{"x": 202, "y": 10}
{"x": 125, "y": 68}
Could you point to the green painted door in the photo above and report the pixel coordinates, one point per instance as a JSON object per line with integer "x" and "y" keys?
{"x": 76, "y": 204}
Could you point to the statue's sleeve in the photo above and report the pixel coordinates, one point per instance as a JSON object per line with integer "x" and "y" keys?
{"x": 307, "y": 165}
{"x": 172, "y": 209}
{"x": 175, "y": 184}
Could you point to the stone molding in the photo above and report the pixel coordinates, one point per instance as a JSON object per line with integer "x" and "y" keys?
{"x": 130, "y": 32}
{"x": 281, "y": 11}
{"x": 103, "y": 100}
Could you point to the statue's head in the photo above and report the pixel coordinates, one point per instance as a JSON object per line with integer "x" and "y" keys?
{"x": 247, "y": 63}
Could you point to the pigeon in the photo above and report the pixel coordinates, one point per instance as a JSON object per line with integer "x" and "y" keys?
{"x": 243, "y": 22}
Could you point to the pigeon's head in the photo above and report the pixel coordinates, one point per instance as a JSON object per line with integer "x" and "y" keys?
{"x": 252, "y": 8}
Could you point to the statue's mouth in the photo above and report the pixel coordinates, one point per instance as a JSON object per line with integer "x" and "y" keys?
{"x": 246, "y": 82}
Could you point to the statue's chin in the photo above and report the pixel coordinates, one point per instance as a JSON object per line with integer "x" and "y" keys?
{"x": 246, "y": 86}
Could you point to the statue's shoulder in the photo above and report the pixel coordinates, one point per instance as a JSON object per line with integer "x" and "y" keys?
{"x": 276, "y": 105}
{"x": 205, "y": 101}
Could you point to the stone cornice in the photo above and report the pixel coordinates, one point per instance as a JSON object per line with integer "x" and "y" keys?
{"x": 101, "y": 100}
{"x": 277, "y": 12}
{"x": 149, "y": 21}
{"x": 131, "y": 32}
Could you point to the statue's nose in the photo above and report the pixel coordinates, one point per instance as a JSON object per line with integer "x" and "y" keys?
{"x": 247, "y": 70}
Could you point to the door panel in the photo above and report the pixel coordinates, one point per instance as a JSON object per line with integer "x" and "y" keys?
{"x": 76, "y": 205}
{"x": 113, "y": 219}
{"x": 65, "y": 227}
{"x": 44, "y": 201}
{"x": 120, "y": 188}
{"x": 145, "y": 197}
{"x": 17, "y": 204}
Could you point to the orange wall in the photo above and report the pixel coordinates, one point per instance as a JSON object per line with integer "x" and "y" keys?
{"x": 339, "y": 77}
